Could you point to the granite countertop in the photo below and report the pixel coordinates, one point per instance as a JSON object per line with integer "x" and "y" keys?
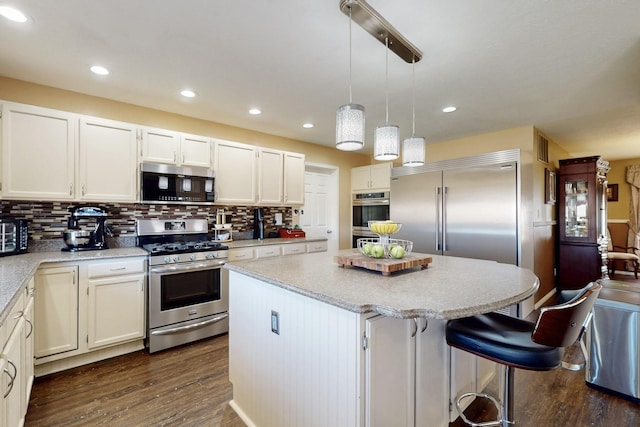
{"x": 449, "y": 288}
{"x": 16, "y": 270}
{"x": 272, "y": 241}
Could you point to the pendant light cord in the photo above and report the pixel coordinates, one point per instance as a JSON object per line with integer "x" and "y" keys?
{"x": 350, "y": 98}
{"x": 386, "y": 60}
{"x": 413, "y": 84}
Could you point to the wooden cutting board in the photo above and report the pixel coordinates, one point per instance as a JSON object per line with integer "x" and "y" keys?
{"x": 384, "y": 265}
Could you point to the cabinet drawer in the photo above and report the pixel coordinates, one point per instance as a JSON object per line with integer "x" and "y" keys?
{"x": 267, "y": 251}
{"x": 294, "y": 248}
{"x": 317, "y": 247}
{"x": 117, "y": 267}
{"x": 240, "y": 254}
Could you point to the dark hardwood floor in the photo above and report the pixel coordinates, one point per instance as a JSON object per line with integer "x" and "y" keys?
{"x": 189, "y": 386}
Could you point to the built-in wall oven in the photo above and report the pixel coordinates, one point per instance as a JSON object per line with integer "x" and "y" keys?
{"x": 368, "y": 207}
{"x": 188, "y": 286}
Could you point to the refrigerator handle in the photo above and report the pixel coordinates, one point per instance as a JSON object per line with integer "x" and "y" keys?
{"x": 444, "y": 219}
{"x": 438, "y": 204}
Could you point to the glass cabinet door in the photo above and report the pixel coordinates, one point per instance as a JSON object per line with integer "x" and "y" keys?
{"x": 576, "y": 221}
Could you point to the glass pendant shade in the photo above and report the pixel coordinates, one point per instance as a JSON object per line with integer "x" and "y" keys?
{"x": 386, "y": 143}
{"x": 413, "y": 151}
{"x": 350, "y": 127}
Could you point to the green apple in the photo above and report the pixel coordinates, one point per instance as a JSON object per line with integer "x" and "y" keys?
{"x": 366, "y": 248}
{"x": 397, "y": 251}
{"x": 377, "y": 251}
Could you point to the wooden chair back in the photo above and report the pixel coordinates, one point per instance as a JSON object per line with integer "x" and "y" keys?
{"x": 561, "y": 325}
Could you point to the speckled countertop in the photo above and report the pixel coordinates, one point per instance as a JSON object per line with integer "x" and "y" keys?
{"x": 16, "y": 270}
{"x": 449, "y": 288}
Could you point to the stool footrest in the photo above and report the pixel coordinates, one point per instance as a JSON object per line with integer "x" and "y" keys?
{"x": 493, "y": 400}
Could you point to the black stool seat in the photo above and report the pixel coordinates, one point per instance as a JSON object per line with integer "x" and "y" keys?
{"x": 503, "y": 339}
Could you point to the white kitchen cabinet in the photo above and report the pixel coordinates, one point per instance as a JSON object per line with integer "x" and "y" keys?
{"x": 293, "y": 179}
{"x": 294, "y": 248}
{"x": 107, "y": 161}
{"x": 29, "y": 329}
{"x": 56, "y": 310}
{"x": 14, "y": 380}
{"x": 267, "y": 251}
{"x": 236, "y": 173}
{"x": 175, "y": 148}
{"x": 402, "y": 386}
{"x": 270, "y": 177}
{"x": 317, "y": 246}
{"x": 38, "y": 153}
{"x": 116, "y": 302}
{"x": 240, "y": 254}
{"x": 369, "y": 178}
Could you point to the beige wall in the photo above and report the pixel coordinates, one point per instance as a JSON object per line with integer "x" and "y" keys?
{"x": 620, "y": 210}
{"x": 44, "y": 96}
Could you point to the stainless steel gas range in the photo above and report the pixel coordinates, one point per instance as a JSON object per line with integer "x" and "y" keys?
{"x": 188, "y": 286}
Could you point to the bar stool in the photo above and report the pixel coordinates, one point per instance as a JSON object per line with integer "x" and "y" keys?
{"x": 517, "y": 343}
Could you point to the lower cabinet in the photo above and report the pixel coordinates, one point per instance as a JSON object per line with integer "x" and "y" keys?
{"x": 88, "y": 310}
{"x": 406, "y": 380}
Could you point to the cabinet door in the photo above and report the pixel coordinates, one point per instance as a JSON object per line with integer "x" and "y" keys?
{"x": 267, "y": 251}
{"x": 28, "y": 360}
{"x": 56, "y": 310}
{"x": 108, "y": 161}
{"x": 38, "y": 147}
{"x": 195, "y": 151}
{"x": 13, "y": 378}
{"x": 293, "y": 179}
{"x": 235, "y": 166}
{"x": 381, "y": 176}
{"x": 390, "y": 372}
{"x": 240, "y": 254}
{"x": 270, "y": 177}
{"x": 160, "y": 146}
{"x": 116, "y": 310}
{"x": 360, "y": 178}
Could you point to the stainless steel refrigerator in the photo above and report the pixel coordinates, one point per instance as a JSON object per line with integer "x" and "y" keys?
{"x": 465, "y": 208}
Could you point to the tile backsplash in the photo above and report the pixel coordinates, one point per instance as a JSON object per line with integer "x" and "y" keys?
{"x": 47, "y": 220}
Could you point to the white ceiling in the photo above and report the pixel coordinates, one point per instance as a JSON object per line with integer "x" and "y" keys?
{"x": 571, "y": 67}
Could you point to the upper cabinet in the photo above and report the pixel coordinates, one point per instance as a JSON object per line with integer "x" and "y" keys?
{"x": 267, "y": 177}
{"x": 107, "y": 149}
{"x": 38, "y": 153}
{"x": 53, "y": 155}
{"x": 235, "y": 168}
{"x": 374, "y": 177}
{"x": 175, "y": 148}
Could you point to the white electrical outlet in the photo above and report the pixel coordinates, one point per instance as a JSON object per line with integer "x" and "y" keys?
{"x": 278, "y": 217}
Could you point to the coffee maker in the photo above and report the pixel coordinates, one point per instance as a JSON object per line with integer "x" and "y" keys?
{"x": 78, "y": 239}
{"x": 258, "y": 224}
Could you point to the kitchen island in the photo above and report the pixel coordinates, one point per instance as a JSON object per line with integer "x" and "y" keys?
{"x": 313, "y": 344}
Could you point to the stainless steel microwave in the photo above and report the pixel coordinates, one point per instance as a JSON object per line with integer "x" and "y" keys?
{"x": 176, "y": 185}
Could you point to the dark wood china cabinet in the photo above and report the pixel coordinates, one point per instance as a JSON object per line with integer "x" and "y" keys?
{"x": 582, "y": 216}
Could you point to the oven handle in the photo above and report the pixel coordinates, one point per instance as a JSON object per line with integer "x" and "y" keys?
{"x": 198, "y": 325}
{"x": 188, "y": 267}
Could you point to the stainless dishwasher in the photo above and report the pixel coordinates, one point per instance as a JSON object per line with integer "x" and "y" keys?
{"x": 614, "y": 340}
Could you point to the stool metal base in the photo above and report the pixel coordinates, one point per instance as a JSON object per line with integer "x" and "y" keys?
{"x": 505, "y": 409}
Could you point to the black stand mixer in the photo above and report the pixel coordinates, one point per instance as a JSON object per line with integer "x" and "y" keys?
{"x": 78, "y": 239}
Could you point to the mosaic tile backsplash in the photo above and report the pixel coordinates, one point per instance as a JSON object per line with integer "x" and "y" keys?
{"x": 47, "y": 220}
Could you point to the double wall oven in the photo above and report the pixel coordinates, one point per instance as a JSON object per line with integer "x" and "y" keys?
{"x": 368, "y": 207}
{"x": 188, "y": 286}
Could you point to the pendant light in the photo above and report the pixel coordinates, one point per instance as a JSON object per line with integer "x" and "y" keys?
{"x": 350, "y": 117}
{"x": 413, "y": 148}
{"x": 387, "y": 138}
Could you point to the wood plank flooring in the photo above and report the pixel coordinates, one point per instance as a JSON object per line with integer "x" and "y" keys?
{"x": 189, "y": 386}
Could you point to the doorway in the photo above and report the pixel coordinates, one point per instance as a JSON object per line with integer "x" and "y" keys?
{"x": 319, "y": 215}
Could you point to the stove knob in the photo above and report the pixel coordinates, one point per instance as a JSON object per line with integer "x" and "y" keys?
{"x": 176, "y": 258}
{"x": 208, "y": 256}
{"x": 192, "y": 257}
{"x": 167, "y": 260}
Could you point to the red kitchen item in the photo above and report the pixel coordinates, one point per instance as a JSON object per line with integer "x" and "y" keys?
{"x": 289, "y": 233}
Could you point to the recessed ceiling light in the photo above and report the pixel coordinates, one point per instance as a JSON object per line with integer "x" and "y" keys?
{"x": 308, "y": 125}
{"x": 12, "y": 14}
{"x": 449, "y": 109}
{"x": 255, "y": 111}
{"x": 100, "y": 70}
{"x": 188, "y": 93}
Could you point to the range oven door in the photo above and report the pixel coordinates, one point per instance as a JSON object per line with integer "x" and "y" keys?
{"x": 187, "y": 302}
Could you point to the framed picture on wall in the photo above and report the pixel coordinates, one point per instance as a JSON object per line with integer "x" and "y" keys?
{"x": 549, "y": 187}
{"x": 612, "y": 193}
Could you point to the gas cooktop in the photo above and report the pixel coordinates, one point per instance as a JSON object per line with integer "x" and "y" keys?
{"x": 183, "y": 247}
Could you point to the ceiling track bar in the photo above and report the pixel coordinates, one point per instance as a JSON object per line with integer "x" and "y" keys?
{"x": 372, "y": 22}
